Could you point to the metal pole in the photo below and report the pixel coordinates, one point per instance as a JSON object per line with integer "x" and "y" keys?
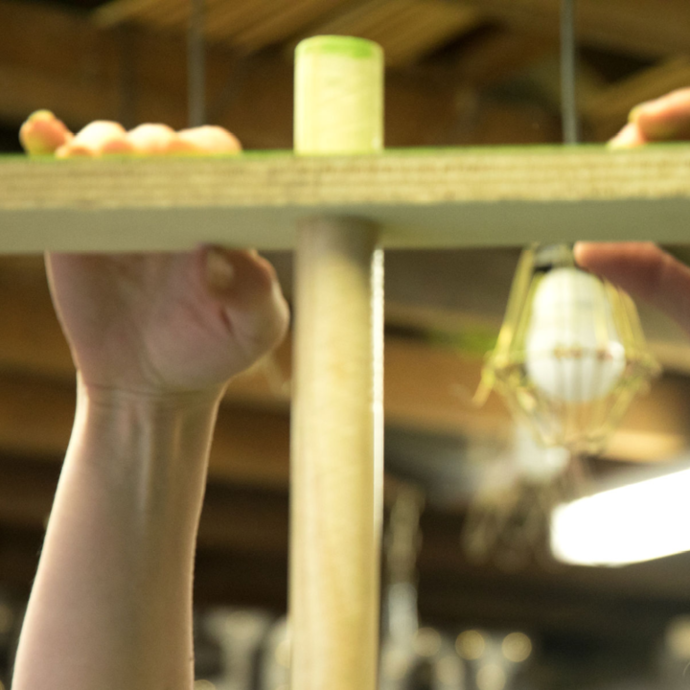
{"x": 196, "y": 64}
{"x": 571, "y": 133}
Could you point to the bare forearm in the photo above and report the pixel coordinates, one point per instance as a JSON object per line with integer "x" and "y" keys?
{"x": 111, "y": 605}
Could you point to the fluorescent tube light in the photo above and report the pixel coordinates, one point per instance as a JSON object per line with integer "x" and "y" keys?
{"x": 638, "y": 522}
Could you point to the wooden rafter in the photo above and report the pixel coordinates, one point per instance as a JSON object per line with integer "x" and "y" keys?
{"x": 405, "y": 29}
{"x": 632, "y": 26}
{"x": 84, "y": 73}
{"x": 496, "y": 55}
{"x": 629, "y": 26}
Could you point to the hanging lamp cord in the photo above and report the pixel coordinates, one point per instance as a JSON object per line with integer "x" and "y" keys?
{"x": 196, "y": 64}
{"x": 569, "y": 115}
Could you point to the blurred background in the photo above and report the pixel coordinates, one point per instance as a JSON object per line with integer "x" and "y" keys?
{"x": 473, "y": 598}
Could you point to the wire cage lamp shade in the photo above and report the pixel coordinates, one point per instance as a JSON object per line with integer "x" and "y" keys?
{"x": 571, "y": 353}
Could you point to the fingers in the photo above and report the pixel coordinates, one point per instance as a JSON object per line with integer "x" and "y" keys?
{"x": 643, "y": 270}
{"x": 210, "y": 139}
{"x": 159, "y": 139}
{"x": 43, "y": 133}
{"x": 152, "y": 139}
{"x": 664, "y": 119}
{"x": 629, "y": 137}
{"x": 247, "y": 287}
{"x": 96, "y": 139}
{"x": 101, "y": 138}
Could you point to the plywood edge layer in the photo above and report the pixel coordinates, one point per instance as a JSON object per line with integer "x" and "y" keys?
{"x": 449, "y": 198}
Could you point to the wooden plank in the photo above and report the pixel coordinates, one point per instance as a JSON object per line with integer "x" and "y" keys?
{"x": 423, "y": 199}
{"x": 631, "y": 26}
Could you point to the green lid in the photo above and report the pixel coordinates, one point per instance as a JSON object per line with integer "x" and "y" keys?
{"x": 341, "y": 45}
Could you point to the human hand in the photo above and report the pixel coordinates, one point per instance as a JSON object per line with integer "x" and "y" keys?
{"x": 641, "y": 268}
{"x": 158, "y": 324}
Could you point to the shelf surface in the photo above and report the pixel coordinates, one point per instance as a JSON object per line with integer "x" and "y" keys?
{"x": 421, "y": 198}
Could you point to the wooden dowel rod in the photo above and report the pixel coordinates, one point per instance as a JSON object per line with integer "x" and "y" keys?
{"x": 337, "y": 432}
{"x": 337, "y": 463}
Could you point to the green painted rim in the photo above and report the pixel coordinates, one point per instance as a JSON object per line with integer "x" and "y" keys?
{"x": 348, "y": 46}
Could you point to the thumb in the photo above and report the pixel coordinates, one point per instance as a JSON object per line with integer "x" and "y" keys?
{"x": 645, "y": 271}
{"x": 43, "y": 133}
{"x": 664, "y": 119}
{"x": 246, "y": 285}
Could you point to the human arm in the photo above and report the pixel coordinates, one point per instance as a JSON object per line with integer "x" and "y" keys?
{"x": 155, "y": 339}
{"x": 642, "y": 268}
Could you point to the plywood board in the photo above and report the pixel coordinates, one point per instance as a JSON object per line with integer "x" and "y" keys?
{"x": 421, "y": 198}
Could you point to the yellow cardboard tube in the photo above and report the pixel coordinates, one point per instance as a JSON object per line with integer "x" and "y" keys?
{"x": 337, "y": 419}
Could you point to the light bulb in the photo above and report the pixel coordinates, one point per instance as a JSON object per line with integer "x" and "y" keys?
{"x": 573, "y": 351}
{"x": 570, "y": 355}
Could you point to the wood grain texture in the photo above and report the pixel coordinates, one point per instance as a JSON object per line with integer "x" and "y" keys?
{"x": 449, "y": 198}
{"x": 77, "y": 70}
{"x": 337, "y": 463}
{"x": 336, "y": 474}
{"x": 405, "y": 29}
{"x": 635, "y": 26}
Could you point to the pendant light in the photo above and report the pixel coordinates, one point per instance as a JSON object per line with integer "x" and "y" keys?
{"x": 571, "y": 354}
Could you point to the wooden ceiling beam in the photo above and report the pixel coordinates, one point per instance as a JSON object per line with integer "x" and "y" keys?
{"x": 279, "y": 22}
{"x": 493, "y": 57}
{"x": 633, "y": 26}
{"x": 55, "y": 59}
{"x": 406, "y": 29}
{"x": 628, "y": 26}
